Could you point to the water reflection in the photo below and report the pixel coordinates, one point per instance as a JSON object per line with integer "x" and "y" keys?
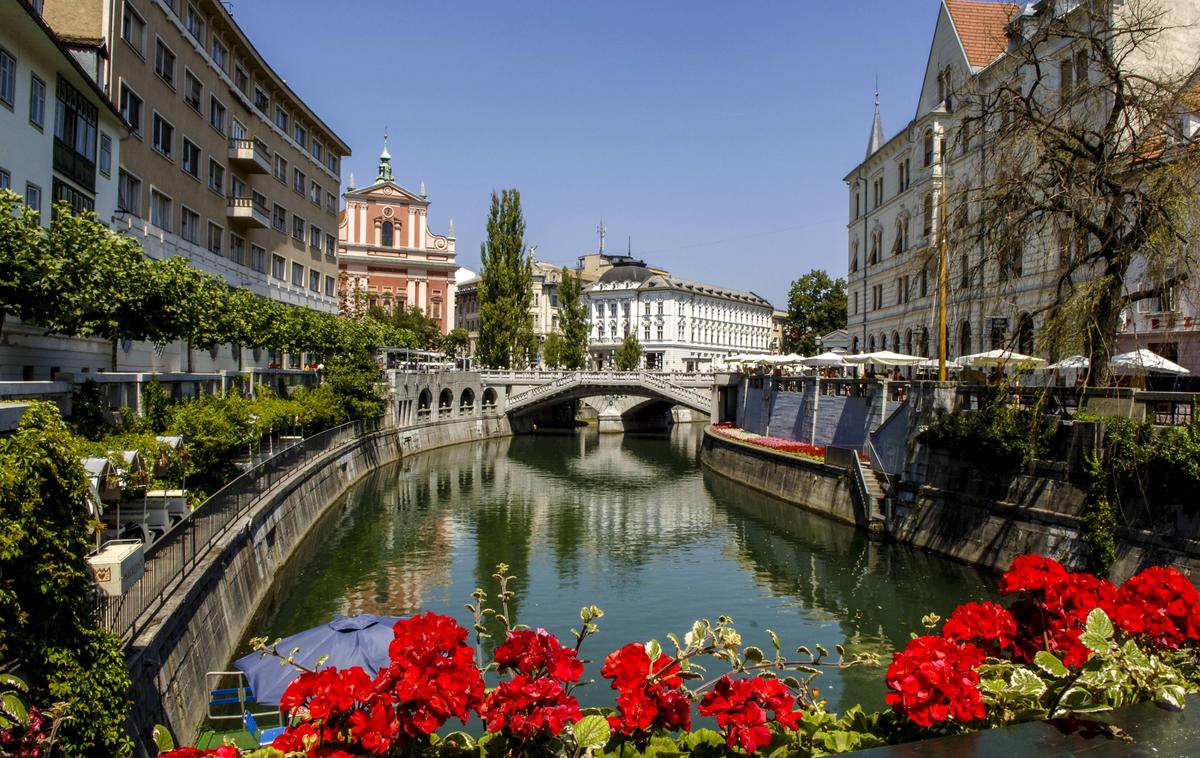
{"x": 629, "y": 523}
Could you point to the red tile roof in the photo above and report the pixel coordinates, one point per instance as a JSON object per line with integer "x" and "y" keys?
{"x": 981, "y": 27}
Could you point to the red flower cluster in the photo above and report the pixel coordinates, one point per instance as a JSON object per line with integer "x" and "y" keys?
{"x": 740, "y": 706}
{"x": 987, "y": 625}
{"x": 531, "y": 709}
{"x": 533, "y": 705}
{"x": 934, "y": 680}
{"x": 649, "y": 693}
{"x": 225, "y": 751}
{"x": 1159, "y": 605}
{"x": 774, "y": 443}
{"x": 1053, "y": 607}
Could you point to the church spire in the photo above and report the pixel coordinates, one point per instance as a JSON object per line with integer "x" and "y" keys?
{"x": 385, "y": 163}
{"x": 876, "y": 140}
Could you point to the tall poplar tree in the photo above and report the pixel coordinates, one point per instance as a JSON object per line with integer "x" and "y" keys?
{"x": 572, "y": 319}
{"x": 506, "y": 337}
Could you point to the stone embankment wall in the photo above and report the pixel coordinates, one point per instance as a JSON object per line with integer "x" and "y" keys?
{"x": 198, "y": 629}
{"x": 959, "y": 511}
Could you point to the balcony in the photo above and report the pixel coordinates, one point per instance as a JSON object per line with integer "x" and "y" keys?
{"x": 247, "y": 212}
{"x": 250, "y": 155}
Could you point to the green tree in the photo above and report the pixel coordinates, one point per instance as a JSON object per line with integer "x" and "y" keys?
{"x": 572, "y": 319}
{"x": 629, "y": 355}
{"x": 552, "y": 350}
{"x": 426, "y": 331}
{"x": 506, "y": 337}
{"x": 46, "y": 618}
{"x": 816, "y": 306}
{"x": 24, "y": 278}
{"x": 456, "y": 343}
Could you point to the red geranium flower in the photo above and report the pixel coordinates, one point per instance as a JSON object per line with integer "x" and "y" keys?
{"x": 740, "y": 706}
{"x": 1159, "y": 605}
{"x": 536, "y": 653}
{"x": 649, "y": 696}
{"x": 987, "y": 625}
{"x": 934, "y": 680}
{"x": 531, "y": 709}
{"x": 1029, "y": 573}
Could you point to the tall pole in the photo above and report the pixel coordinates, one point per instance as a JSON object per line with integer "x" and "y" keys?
{"x": 942, "y": 373}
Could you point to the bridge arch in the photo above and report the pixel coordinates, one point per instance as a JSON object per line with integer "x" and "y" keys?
{"x": 424, "y": 400}
{"x": 446, "y": 399}
{"x": 466, "y": 401}
{"x": 581, "y": 384}
{"x": 489, "y": 398}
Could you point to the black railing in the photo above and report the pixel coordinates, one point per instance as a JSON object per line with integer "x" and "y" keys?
{"x": 173, "y": 556}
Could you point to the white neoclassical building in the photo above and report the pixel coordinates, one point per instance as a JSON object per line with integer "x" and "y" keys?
{"x": 895, "y": 194}
{"x": 682, "y": 325}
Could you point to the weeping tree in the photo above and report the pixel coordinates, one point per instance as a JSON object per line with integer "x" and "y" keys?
{"x": 572, "y": 318}
{"x": 506, "y": 338}
{"x": 1080, "y": 151}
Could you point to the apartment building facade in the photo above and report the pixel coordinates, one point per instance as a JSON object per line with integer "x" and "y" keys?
{"x": 61, "y": 141}
{"x": 225, "y": 164}
{"x": 388, "y": 257}
{"x": 898, "y": 195}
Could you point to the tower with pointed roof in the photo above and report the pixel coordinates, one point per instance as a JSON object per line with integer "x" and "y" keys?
{"x": 876, "y": 140}
{"x": 385, "y": 163}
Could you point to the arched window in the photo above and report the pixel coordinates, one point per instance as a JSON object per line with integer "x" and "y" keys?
{"x": 872, "y": 344}
{"x": 1025, "y": 334}
{"x": 898, "y": 245}
{"x": 964, "y": 339}
{"x": 854, "y": 345}
{"x": 925, "y": 342}
{"x": 883, "y": 341}
{"x": 876, "y": 242}
{"x": 386, "y": 236}
{"x": 854, "y": 256}
{"x": 928, "y": 147}
{"x": 948, "y": 89}
{"x": 908, "y": 342}
{"x": 927, "y": 214}
{"x": 896, "y": 341}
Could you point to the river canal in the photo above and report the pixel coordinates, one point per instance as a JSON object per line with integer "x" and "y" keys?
{"x": 632, "y": 524}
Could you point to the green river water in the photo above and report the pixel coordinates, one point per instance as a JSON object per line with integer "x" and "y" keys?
{"x": 632, "y": 524}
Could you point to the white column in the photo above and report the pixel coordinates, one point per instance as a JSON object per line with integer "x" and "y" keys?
{"x": 362, "y": 225}
{"x": 422, "y": 221}
{"x": 412, "y": 223}
{"x": 410, "y": 291}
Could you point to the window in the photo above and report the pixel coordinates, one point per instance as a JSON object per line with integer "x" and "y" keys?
{"x": 215, "y": 236}
{"x": 191, "y": 158}
{"x": 1081, "y": 70}
{"x": 33, "y": 196}
{"x": 193, "y": 90}
{"x": 314, "y": 194}
{"x": 297, "y": 228}
{"x": 301, "y": 136}
{"x": 79, "y": 202}
{"x": 195, "y": 24}
{"x": 219, "y": 54}
{"x": 164, "y": 137}
{"x": 927, "y": 214}
{"x": 278, "y": 267}
{"x": 331, "y": 161}
{"x": 314, "y": 237}
{"x": 298, "y": 181}
{"x": 330, "y": 202}
{"x": 330, "y": 244}
{"x": 329, "y": 287}
{"x": 314, "y": 281}
{"x": 279, "y": 220}
{"x": 189, "y": 225}
{"x": 965, "y": 264}
{"x": 281, "y": 119}
{"x": 37, "y": 102}
{"x": 106, "y": 155}
{"x": 164, "y": 63}
{"x": 928, "y": 147}
{"x": 241, "y": 79}
{"x": 216, "y": 114}
{"x": 237, "y": 249}
{"x": 660, "y": 333}
{"x": 5, "y": 179}
{"x": 129, "y": 193}
{"x": 261, "y": 100}
{"x": 8, "y": 79}
{"x": 297, "y": 275}
{"x": 216, "y": 176}
{"x": 280, "y": 168}
{"x": 856, "y": 303}
{"x": 131, "y": 109}
{"x": 133, "y": 29}
{"x": 160, "y": 210}
{"x": 317, "y": 150}
{"x": 386, "y": 234}
{"x": 237, "y": 130}
{"x": 258, "y": 259}
{"x": 924, "y": 282}
{"x": 1066, "y": 81}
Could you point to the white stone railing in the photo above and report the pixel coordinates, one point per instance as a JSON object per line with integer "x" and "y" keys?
{"x": 614, "y": 380}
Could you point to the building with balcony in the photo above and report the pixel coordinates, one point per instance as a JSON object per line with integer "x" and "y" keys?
{"x": 682, "y": 325}
{"x": 388, "y": 257}
{"x": 895, "y": 196}
{"x": 225, "y": 164}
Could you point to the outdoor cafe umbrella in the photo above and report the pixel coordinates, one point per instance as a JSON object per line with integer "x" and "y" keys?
{"x": 932, "y": 363}
{"x": 1074, "y": 362}
{"x": 1001, "y": 359}
{"x": 344, "y": 642}
{"x": 825, "y": 360}
{"x": 884, "y": 358}
{"x": 1144, "y": 360}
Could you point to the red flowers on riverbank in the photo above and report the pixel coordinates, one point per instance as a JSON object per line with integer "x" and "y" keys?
{"x": 779, "y": 444}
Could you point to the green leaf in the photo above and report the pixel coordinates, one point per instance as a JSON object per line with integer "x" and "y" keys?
{"x": 14, "y": 682}
{"x": 1026, "y": 682}
{"x": 653, "y": 649}
{"x": 753, "y": 654}
{"x": 1049, "y": 662}
{"x": 591, "y": 732}
{"x": 1094, "y": 642}
{"x": 1099, "y": 624}
{"x": 14, "y": 708}
{"x": 163, "y": 739}
{"x": 1171, "y": 694}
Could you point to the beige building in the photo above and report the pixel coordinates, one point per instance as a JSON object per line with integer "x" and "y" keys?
{"x": 226, "y": 164}
{"x": 895, "y": 194}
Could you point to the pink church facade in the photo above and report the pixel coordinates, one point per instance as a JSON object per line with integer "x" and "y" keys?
{"x": 388, "y": 257}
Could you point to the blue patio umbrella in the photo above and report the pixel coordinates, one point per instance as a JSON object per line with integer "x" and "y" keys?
{"x": 344, "y": 642}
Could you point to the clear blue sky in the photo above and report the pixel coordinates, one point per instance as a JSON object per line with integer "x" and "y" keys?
{"x": 716, "y": 135}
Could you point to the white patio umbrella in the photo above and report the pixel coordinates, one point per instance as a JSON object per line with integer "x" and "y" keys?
{"x": 1001, "y": 359}
{"x": 1074, "y": 362}
{"x": 884, "y": 358}
{"x": 932, "y": 363}
{"x": 1144, "y": 360}
{"x": 825, "y": 360}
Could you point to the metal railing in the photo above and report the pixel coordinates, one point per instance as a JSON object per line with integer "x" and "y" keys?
{"x": 173, "y": 556}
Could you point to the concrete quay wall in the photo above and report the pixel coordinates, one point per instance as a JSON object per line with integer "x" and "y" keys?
{"x": 197, "y": 630}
